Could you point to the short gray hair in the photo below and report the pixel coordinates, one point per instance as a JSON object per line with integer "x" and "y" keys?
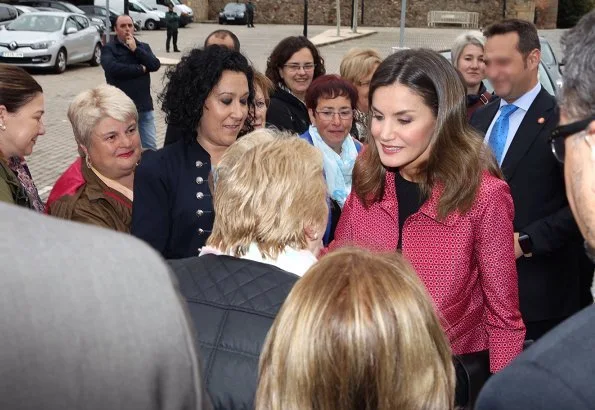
{"x": 91, "y": 106}
{"x": 577, "y": 97}
{"x": 462, "y": 41}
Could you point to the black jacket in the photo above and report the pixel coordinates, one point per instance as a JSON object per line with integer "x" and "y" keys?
{"x": 123, "y": 69}
{"x": 554, "y": 373}
{"x": 286, "y": 112}
{"x": 173, "y": 208}
{"x": 233, "y": 303}
{"x": 549, "y": 281}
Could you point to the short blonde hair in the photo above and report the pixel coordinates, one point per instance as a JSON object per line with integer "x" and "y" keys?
{"x": 469, "y": 37}
{"x": 267, "y": 87}
{"x": 91, "y": 106}
{"x": 358, "y": 63}
{"x": 357, "y": 331}
{"x": 268, "y": 187}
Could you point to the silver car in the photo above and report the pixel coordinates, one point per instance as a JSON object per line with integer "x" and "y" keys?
{"x": 50, "y": 40}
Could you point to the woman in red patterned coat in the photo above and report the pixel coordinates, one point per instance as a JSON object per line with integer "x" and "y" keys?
{"x": 427, "y": 186}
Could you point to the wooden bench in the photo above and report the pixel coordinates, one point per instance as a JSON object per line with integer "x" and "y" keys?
{"x": 467, "y": 19}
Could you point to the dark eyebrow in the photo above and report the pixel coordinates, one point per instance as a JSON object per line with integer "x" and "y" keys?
{"x": 396, "y": 113}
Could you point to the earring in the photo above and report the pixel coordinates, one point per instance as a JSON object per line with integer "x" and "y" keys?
{"x": 2, "y": 127}
{"x": 88, "y": 161}
{"x": 315, "y": 236}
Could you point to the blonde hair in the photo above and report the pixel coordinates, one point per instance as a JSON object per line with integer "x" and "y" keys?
{"x": 268, "y": 187}
{"x": 266, "y": 86}
{"x": 469, "y": 37}
{"x": 91, "y": 106}
{"x": 358, "y": 63}
{"x": 358, "y": 331}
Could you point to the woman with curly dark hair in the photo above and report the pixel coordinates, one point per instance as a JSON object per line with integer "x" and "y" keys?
{"x": 211, "y": 92}
{"x": 292, "y": 66}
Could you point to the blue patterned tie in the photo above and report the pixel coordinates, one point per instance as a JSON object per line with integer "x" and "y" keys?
{"x": 499, "y": 133}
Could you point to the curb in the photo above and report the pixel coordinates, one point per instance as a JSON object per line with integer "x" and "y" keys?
{"x": 328, "y": 41}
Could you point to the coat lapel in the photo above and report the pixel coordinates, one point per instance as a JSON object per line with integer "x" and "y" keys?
{"x": 535, "y": 119}
{"x": 483, "y": 117}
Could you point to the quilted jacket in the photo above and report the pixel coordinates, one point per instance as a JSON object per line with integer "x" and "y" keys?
{"x": 233, "y": 303}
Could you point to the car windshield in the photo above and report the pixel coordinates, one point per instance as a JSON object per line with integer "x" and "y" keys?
{"x": 144, "y": 5}
{"x": 28, "y": 22}
{"x": 231, "y": 7}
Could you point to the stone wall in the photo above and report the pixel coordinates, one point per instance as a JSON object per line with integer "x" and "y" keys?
{"x": 375, "y": 12}
{"x": 388, "y": 12}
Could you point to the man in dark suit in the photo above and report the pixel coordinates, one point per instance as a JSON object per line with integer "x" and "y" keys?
{"x": 517, "y": 126}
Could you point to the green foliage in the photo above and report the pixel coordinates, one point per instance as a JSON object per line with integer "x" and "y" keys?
{"x": 570, "y": 11}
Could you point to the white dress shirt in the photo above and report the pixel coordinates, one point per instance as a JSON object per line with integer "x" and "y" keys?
{"x": 515, "y": 119}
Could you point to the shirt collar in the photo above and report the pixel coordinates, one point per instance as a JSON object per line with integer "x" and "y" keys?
{"x": 525, "y": 100}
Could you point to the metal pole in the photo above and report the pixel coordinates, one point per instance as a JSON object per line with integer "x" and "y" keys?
{"x": 107, "y": 22}
{"x": 355, "y": 16}
{"x": 402, "y": 31}
{"x": 338, "y": 3}
{"x": 306, "y": 18}
{"x": 126, "y": 7}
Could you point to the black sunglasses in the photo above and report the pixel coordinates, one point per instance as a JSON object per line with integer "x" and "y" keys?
{"x": 560, "y": 133}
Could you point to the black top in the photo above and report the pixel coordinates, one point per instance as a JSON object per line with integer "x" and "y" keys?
{"x": 173, "y": 207}
{"x": 287, "y": 112}
{"x": 409, "y": 198}
{"x": 233, "y": 303}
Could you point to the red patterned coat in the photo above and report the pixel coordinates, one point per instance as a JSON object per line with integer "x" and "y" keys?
{"x": 466, "y": 262}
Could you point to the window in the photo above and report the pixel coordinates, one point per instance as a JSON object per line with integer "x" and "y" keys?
{"x": 82, "y": 22}
{"x": 70, "y": 23}
{"x": 4, "y": 16}
{"x": 135, "y": 8}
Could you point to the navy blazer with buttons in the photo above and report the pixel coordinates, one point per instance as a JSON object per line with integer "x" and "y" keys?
{"x": 173, "y": 206}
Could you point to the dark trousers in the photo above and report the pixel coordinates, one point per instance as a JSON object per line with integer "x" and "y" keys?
{"x": 171, "y": 34}
{"x": 250, "y": 19}
{"x": 537, "y": 329}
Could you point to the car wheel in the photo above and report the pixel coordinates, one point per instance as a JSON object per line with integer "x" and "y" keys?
{"x": 96, "y": 58}
{"x": 60, "y": 65}
{"x": 150, "y": 25}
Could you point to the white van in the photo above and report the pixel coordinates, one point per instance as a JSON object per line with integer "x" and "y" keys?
{"x": 182, "y": 10}
{"x": 150, "y": 19}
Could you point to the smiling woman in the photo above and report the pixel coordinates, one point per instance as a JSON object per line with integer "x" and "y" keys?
{"x": 21, "y": 111}
{"x": 104, "y": 121}
{"x": 210, "y": 94}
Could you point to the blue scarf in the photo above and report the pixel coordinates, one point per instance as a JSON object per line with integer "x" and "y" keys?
{"x": 337, "y": 168}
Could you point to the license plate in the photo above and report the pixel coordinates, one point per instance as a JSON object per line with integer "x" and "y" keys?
{"x": 12, "y": 54}
{"x": 231, "y": 18}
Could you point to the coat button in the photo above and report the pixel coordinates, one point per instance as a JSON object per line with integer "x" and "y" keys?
{"x": 199, "y": 212}
{"x": 199, "y": 180}
{"x": 200, "y": 231}
{"x": 200, "y": 195}
{"x": 199, "y": 164}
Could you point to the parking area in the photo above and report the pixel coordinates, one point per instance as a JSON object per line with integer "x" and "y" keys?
{"x": 56, "y": 149}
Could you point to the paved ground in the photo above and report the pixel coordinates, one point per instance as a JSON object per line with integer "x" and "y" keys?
{"x": 56, "y": 149}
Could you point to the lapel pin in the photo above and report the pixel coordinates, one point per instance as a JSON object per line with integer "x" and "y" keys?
{"x": 541, "y": 120}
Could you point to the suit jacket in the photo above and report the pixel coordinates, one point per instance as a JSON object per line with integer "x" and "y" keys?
{"x": 465, "y": 261}
{"x": 173, "y": 206}
{"x": 91, "y": 319}
{"x": 549, "y": 281}
{"x": 554, "y": 373}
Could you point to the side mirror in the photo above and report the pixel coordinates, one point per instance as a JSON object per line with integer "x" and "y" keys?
{"x": 71, "y": 30}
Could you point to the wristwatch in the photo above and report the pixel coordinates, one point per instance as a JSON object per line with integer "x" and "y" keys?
{"x": 526, "y": 244}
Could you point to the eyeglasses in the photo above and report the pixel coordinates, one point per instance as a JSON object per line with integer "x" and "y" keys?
{"x": 562, "y": 132}
{"x": 296, "y": 67}
{"x": 329, "y": 115}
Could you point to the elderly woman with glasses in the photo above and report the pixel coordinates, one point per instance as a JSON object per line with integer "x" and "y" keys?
{"x": 292, "y": 66}
{"x": 331, "y": 101}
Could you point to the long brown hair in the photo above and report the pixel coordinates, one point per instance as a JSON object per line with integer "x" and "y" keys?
{"x": 357, "y": 332}
{"x": 458, "y": 155}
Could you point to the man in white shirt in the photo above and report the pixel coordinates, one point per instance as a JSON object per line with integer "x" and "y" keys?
{"x": 517, "y": 126}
